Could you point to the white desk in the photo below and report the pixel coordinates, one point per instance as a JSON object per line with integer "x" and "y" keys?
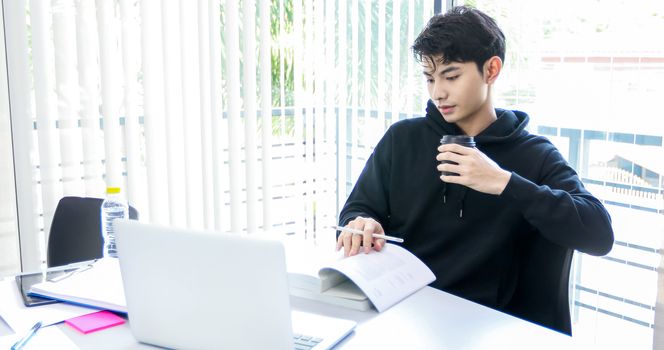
{"x": 429, "y": 319}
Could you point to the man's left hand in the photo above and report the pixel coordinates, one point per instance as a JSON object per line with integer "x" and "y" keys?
{"x": 475, "y": 169}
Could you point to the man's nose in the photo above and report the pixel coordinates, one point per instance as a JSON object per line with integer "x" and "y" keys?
{"x": 439, "y": 92}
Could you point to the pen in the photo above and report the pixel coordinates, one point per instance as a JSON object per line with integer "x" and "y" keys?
{"x": 374, "y": 235}
{"x": 81, "y": 268}
{"x": 19, "y": 344}
{"x": 71, "y": 266}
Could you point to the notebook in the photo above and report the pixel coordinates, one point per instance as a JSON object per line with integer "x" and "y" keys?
{"x": 197, "y": 289}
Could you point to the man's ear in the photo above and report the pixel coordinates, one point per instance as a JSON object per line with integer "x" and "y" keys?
{"x": 492, "y": 68}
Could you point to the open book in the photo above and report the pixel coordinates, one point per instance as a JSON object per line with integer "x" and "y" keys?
{"x": 380, "y": 278}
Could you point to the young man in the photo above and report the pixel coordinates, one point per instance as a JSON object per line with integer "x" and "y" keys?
{"x": 516, "y": 210}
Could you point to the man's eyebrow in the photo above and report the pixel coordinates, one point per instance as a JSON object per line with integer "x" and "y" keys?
{"x": 448, "y": 70}
{"x": 445, "y": 71}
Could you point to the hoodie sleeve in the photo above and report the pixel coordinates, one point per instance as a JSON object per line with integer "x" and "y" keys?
{"x": 369, "y": 197}
{"x": 561, "y": 209}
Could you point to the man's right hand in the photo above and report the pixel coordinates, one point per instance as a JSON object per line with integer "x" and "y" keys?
{"x": 352, "y": 242}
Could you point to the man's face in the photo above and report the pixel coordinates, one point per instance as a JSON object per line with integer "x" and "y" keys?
{"x": 457, "y": 89}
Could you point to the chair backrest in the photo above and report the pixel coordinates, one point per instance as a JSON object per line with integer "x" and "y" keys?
{"x": 75, "y": 233}
{"x": 542, "y": 291}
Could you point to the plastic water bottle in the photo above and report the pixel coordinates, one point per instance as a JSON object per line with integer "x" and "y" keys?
{"x": 113, "y": 207}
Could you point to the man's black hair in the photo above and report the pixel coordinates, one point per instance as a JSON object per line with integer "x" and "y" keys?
{"x": 463, "y": 34}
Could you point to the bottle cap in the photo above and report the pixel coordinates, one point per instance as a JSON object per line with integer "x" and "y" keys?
{"x": 112, "y": 190}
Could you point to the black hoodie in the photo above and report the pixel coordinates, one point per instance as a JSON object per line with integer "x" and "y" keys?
{"x": 471, "y": 240}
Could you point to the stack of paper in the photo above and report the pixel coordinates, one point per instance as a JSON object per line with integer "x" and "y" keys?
{"x": 100, "y": 287}
{"x": 20, "y": 318}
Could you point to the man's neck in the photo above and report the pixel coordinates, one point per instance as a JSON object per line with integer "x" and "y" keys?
{"x": 476, "y": 123}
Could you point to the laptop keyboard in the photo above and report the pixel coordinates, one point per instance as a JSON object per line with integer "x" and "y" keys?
{"x": 304, "y": 342}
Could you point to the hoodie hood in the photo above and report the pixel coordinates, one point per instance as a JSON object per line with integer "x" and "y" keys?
{"x": 510, "y": 124}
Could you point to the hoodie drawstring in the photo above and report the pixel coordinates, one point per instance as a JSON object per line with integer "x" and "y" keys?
{"x": 464, "y": 191}
{"x": 461, "y": 200}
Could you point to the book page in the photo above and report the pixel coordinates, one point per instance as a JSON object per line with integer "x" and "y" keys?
{"x": 304, "y": 261}
{"x": 347, "y": 289}
{"x": 386, "y": 277}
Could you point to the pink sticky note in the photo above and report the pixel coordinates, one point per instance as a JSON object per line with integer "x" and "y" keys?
{"x": 95, "y": 321}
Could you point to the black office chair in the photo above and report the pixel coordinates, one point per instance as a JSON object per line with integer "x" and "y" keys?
{"x": 75, "y": 233}
{"x": 542, "y": 291}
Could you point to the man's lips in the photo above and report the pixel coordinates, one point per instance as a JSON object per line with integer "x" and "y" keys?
{"x": 446, "y": 109}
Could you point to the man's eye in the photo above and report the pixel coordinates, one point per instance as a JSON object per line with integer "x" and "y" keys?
{"x": 429, "y": 81}
{"x": 452, "y": 78}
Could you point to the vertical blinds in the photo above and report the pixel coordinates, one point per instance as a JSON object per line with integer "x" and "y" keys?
{"x": 213, "y": 114}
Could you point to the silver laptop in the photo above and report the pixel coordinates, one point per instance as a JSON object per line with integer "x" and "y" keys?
{"x": 201, "y": 290}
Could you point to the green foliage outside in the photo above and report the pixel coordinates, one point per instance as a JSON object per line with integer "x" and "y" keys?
{"x": 283, "y": 60}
